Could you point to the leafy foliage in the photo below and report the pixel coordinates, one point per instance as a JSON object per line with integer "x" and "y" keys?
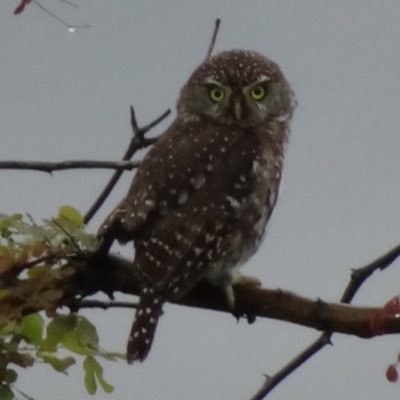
{"x": 32, "y": 259}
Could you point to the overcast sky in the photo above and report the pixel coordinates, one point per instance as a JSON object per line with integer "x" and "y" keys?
{"x": 67, "y": 95}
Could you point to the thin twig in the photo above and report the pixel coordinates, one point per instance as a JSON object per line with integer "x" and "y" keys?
{"x": 272, "y": 381}
{"x": 74, "y": 243}
{"x": 137, "y": 142}
{"x": 11, "y": 275}
{"x": 49, "y": 167}
{"x": 71, "y": 28}
{"x": 70, "y": 3}
{"x": 214, "y": 37}
{"x": 358, "y": 277}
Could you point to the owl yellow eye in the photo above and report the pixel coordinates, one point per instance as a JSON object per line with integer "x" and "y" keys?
{"x": 216, "y": 94}
{"x": 257, "y": 93}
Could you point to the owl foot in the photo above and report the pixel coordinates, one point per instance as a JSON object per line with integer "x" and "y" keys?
{"x": 230, "y": 297}
{"x": 244, "y": 280}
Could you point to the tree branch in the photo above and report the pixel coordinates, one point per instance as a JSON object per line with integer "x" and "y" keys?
{"x": 71, "y": 28}
{"x": 105, "y": 305}
{"x": 213, "y": 37}
{"x": 47, "y": 166}
{"x": 358, "y": 277}
{"x": 138, "y": 141}
{"x": 83, "y": 276}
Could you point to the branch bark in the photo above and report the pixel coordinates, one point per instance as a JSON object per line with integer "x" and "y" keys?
{"x": 88, "y": 274}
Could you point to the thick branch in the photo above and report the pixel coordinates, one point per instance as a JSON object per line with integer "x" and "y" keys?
{"x": 87, "y": 275}
{"x": 111, "y": 273}
{"x": 269, "y": 303}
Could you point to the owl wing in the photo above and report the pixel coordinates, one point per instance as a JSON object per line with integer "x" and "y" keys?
{"x": 173, "y": 170}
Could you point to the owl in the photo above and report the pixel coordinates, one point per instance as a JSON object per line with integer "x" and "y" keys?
{"x": 200, "y": 201}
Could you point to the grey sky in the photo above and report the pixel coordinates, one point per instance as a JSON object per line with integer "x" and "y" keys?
{"x": 67, "y": 96}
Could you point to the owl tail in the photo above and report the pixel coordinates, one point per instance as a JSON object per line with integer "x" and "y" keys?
{"x": 144, "y": 326}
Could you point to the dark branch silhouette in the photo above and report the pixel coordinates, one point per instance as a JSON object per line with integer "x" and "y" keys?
{"x": 358, "y": 277}
{"x": 213, "y": 37}
{"x": 71, "y": 27}
{"x": 138, "y": 141}
{"x": 47, "y": 166}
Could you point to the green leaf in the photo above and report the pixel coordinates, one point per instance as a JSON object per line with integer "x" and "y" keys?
{"x": 59, "y": 364}
{"x": 6, "y": 393}
{"x": 32, "y": 328}
{"x": 71, "y": 341}
{"x": 93, "y": 373}
{"x": 98, "y": 370}
{"x": 87, "y": 333}
{"x": 70, "y": 214}
{"x": 60, "y": 326}
{"x": 89, "y": 378}
{"x": 83, "y": 339}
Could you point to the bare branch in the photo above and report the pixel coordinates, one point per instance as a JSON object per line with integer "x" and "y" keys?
{"x": 79, "y": 304}
{"x": 214, "y": 37}
{"x": 272, "y": 381}
{"x": 71, "y": 28}
{"x": 70, "y": 3}
{"x": 138, "y": 141}
{"x": 358, "y": 277}
{"x": 49, "y": 167}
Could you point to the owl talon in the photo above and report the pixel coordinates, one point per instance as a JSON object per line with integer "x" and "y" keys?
{"x": 244, "y": 280}
{"x": 230, "y": 301}
{"x": 230, "y": 297}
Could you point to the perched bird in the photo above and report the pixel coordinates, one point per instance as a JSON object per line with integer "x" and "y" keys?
{"x": 202, "y": 196}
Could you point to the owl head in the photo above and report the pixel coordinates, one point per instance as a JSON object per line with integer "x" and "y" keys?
{"x": 237, "y": 87}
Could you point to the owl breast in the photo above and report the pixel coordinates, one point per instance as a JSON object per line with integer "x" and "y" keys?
{"x": 252, "y": 204}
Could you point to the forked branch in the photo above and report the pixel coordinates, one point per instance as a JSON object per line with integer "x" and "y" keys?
{"x": 137, "y": 142}
{"x": 376, "y": 317}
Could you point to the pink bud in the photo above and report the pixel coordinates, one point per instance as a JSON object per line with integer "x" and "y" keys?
{"x": 391, "y": 373}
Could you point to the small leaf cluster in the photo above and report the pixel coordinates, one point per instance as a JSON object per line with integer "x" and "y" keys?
{"x": 33, "y": 258}
{"x": 32, "y": 340}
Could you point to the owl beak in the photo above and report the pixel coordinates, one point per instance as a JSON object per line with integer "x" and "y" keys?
{"x": 237, "y": 109}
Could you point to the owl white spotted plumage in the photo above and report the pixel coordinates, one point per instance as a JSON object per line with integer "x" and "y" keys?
{"x": 200, "y": 200}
